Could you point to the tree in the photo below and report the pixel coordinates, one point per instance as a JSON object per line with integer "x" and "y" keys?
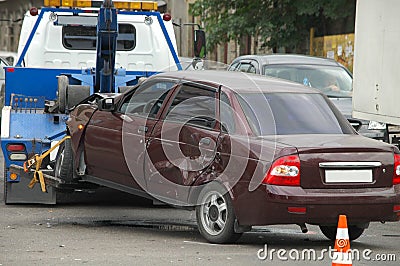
{"x": 278, "y": 23}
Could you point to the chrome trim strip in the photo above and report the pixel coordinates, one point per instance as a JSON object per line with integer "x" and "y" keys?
{"x": 350, "y": 164}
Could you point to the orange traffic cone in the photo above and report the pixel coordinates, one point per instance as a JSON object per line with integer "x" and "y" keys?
{"x": 342, "y": 254}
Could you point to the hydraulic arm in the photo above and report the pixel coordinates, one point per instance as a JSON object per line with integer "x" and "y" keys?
{"x": 107, "y": 32}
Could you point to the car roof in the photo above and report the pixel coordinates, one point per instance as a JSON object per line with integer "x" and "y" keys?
{"x": 238, "y": 81}
{"x": 276, "y": 59}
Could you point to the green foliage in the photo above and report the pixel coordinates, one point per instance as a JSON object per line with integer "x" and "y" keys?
{"x": 279, "y": 23}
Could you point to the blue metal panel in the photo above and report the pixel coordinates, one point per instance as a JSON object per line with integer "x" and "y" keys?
{"x": 39, "y": 82}
{"x": 42, "y": 82}
{"x": 36, "y": 137}
{"x": 35, "y": 126}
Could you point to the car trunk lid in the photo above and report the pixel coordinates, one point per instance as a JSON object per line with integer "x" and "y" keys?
{"x": 342, "y": 161}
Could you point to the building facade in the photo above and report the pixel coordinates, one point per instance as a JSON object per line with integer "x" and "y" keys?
{"x": 11, "y": 16}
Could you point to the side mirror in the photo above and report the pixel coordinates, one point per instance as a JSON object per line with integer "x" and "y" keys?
{"x": 199, "y": 44}
{"x": 106, "y": 104}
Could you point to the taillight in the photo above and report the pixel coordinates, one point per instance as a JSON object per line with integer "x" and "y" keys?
{"x": 15, "y": 147}
{"x": 285, "y": 171}
{"x": 396, "y": 173}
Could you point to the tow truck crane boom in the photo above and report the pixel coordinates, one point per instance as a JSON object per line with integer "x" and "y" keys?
{"x": 107, "y": 33}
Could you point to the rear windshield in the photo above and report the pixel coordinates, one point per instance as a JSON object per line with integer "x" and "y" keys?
{"x": 85, "y": 37}
{"x": 291, "y": 113}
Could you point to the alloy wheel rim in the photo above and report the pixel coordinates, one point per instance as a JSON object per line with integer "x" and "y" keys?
{"x": 214, "y": 213}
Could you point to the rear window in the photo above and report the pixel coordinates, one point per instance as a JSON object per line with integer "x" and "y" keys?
{"x": 85, "y": 37}
{"x": 291, "y": 113}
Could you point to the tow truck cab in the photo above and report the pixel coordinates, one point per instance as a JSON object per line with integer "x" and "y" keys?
{"x": 66, "y": 38}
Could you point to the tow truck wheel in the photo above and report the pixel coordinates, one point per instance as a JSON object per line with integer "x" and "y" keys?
{"x": 63, "y": 83}
{"x": 330, "y": 231}
{"x": 63, "y": 168}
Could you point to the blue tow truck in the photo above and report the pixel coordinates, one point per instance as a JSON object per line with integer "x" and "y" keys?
{"x": 68, "y": 51}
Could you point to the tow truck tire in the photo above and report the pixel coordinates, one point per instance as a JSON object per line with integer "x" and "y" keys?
{"x": 63, "y": 167}
{"x": 62, "y": 93}
{"x": 330, "y": 232}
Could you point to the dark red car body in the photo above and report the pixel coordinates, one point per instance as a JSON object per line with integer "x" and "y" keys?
{"x": 129, "y": 151}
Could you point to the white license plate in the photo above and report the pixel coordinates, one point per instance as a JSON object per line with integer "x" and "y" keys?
{"x": 348, "y": 176}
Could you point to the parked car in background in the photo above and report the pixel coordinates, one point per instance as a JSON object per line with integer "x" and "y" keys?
{"x": 220, "y": 142}
{"x": 327, "y": 75}
{"x": 10, "y": 57}
{"x": 189, "y": 63}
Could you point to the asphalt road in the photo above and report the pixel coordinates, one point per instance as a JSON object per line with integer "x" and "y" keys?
{"x": 112, "y": 228}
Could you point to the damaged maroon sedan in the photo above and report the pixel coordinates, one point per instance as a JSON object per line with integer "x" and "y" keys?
{"x": 242, "y": 150}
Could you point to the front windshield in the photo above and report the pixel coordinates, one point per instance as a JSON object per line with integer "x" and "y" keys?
{"x": 334, "y": 81}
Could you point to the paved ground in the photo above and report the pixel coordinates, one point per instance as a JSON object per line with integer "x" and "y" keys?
{"x": 110, "y": 228}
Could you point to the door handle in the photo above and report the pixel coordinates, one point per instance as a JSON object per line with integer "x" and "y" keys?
{"x": 142, "y": 129}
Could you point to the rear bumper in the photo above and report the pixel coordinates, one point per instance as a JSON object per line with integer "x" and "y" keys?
{"x": 318, "y": 206}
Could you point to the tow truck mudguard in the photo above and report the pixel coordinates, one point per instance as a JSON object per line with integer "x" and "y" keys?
{"x": 48, "y": 177}
{"x": 36, "y": 161}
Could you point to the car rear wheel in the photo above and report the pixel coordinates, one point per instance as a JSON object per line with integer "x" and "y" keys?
{"x": 215, "y": 215}
{"x": 63, "y": 168}
{"x": 330, "y": 232}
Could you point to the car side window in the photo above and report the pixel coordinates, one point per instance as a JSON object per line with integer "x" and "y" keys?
{"x": 226, "y": 114}
{"x": 193, "y": 105}
{"x": 147, "y": 99}
{"x": 234, "y": 67}
{"x": 247, "y": 67}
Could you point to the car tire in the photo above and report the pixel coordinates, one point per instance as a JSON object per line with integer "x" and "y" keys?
{"x": 63, "y": 167}
{"x": 215, "y": 215}
{"x": 330, "y": 232}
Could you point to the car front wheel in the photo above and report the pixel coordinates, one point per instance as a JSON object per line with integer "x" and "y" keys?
{"x": 215, "y": 215}
{"x": 63, "y": 168}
